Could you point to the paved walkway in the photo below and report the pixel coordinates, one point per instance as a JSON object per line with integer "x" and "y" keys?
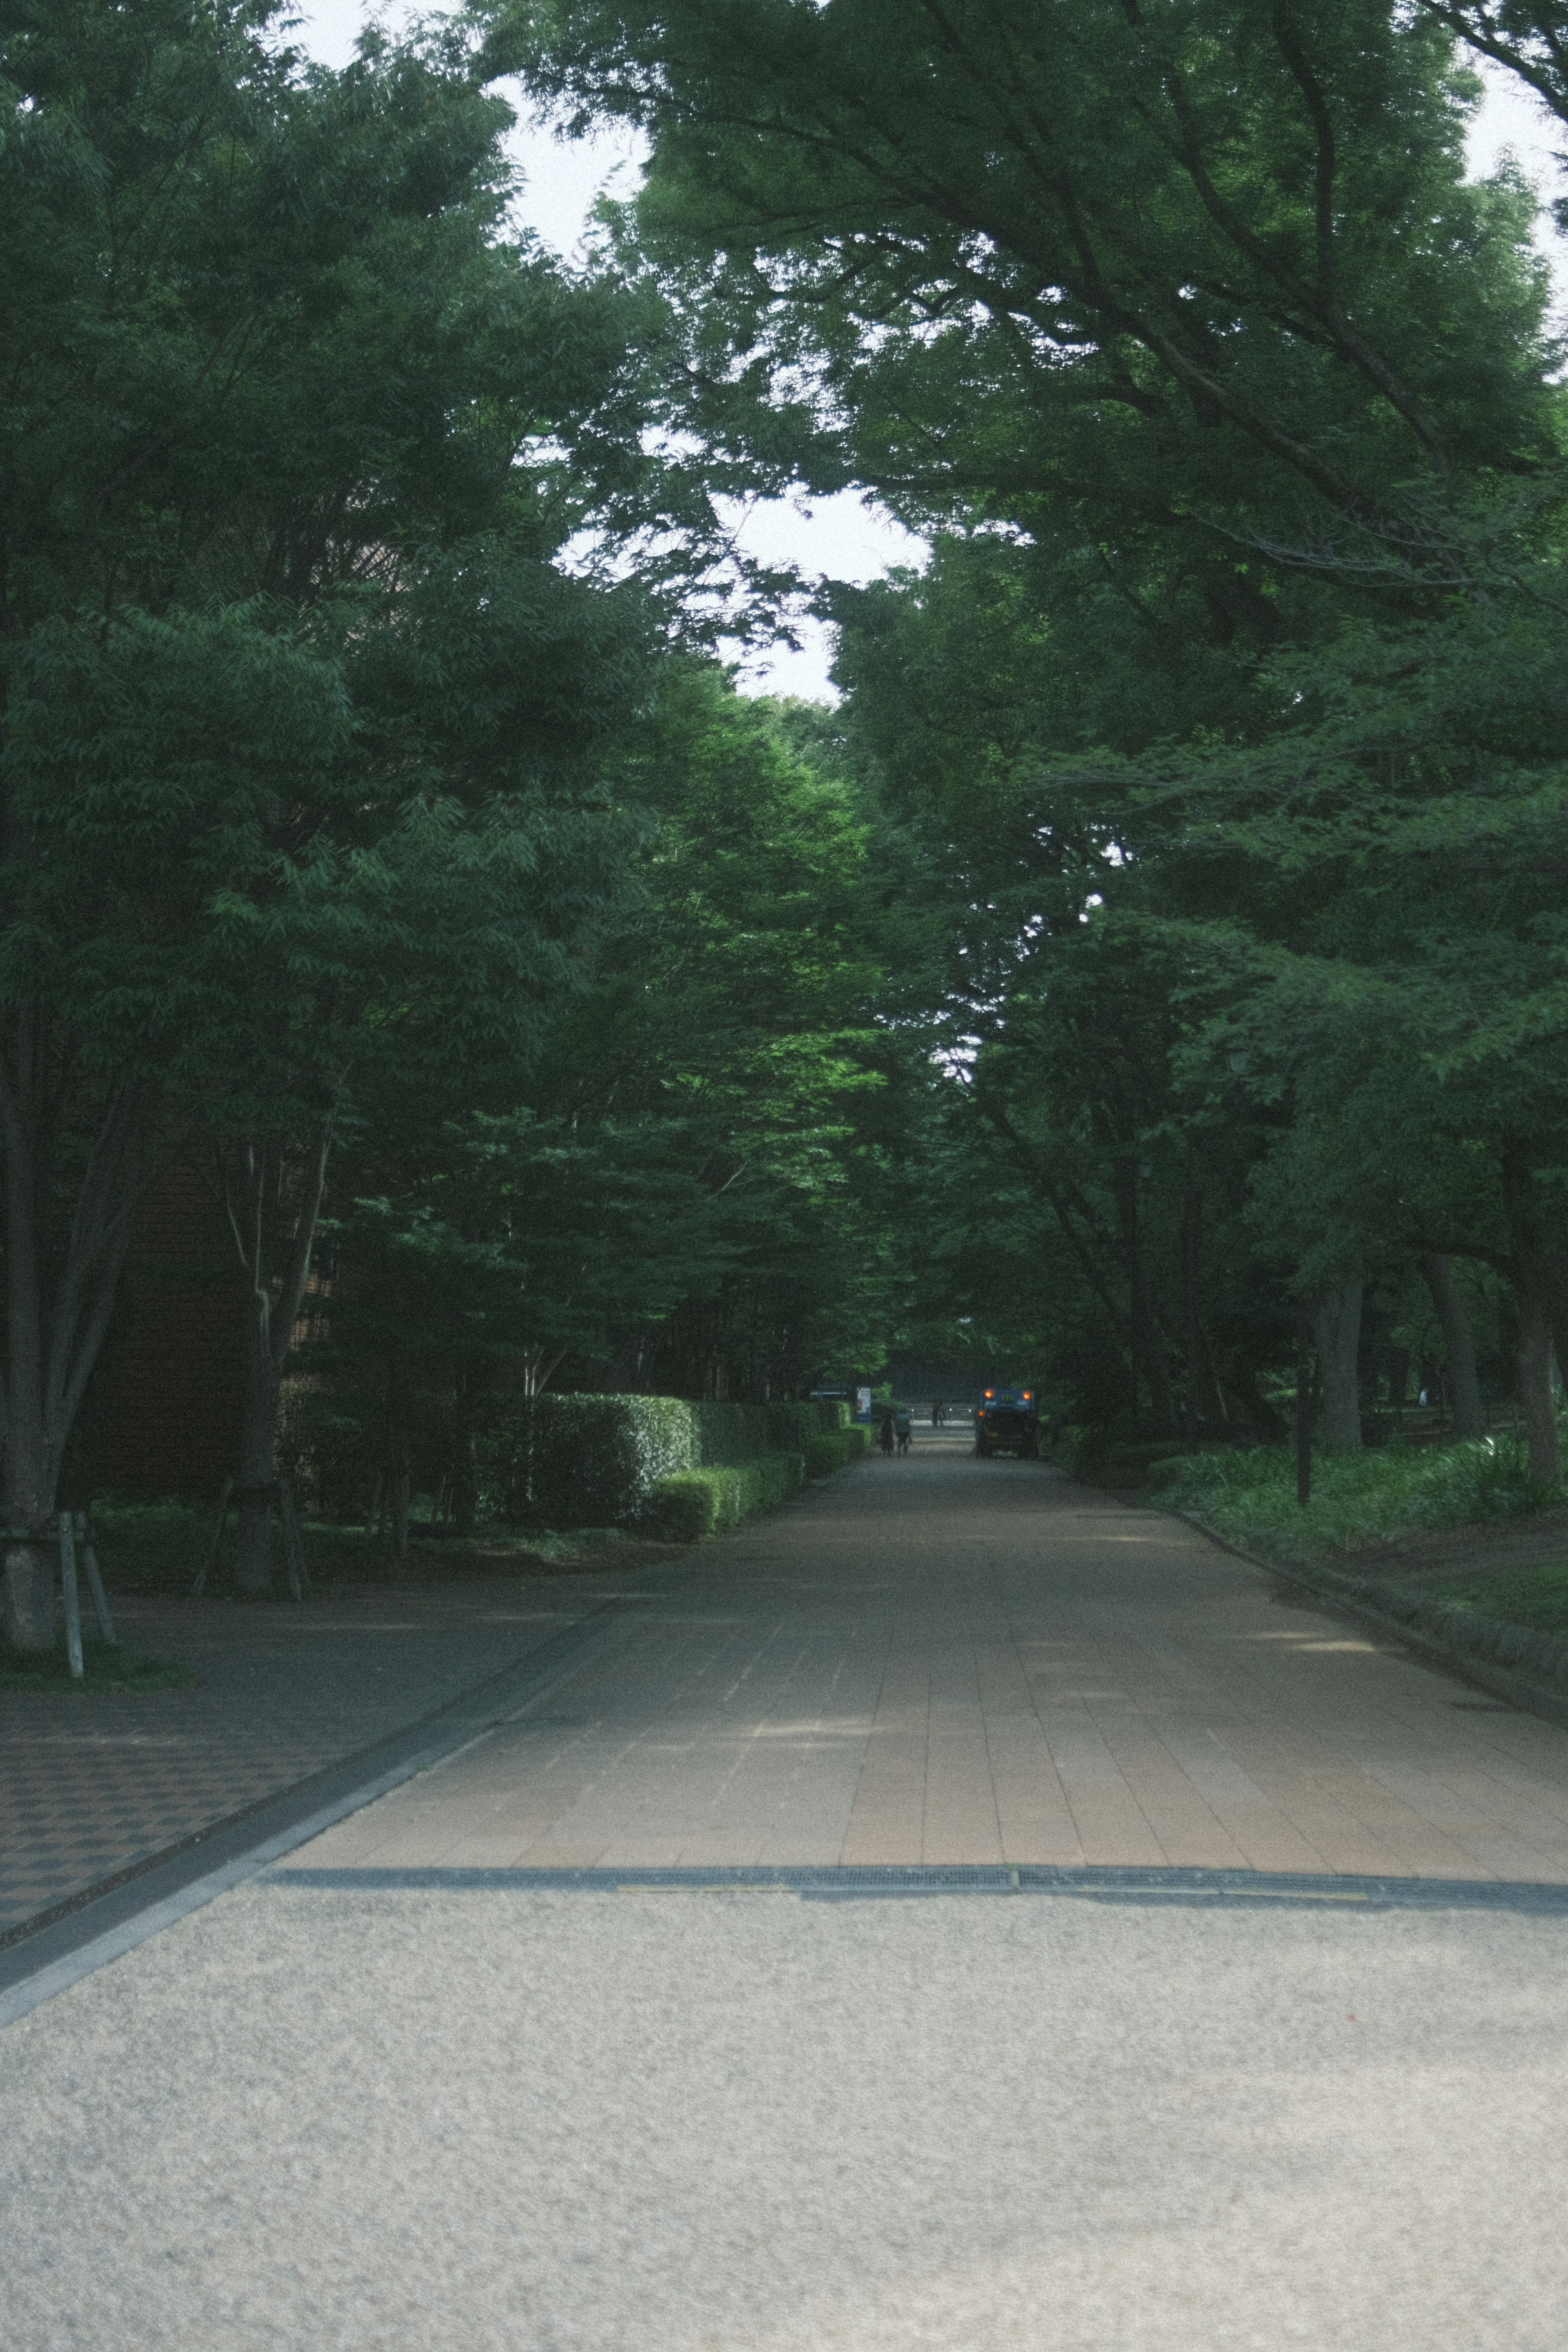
{"x": 943, "y": 1660}
{"x": 95, "y": 1783}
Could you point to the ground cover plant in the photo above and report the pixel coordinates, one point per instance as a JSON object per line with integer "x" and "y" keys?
{"x": 692, "y": 1504}
{"x": 105, "y": 1667}
{"x": 158, "y": 1547}
{"x": 1535, "y": 1597}
{"x": 1360, "y": 1500}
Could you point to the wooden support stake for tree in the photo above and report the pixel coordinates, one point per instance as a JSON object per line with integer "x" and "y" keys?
{"x": 95, "y": 1581}
{"x": 73, "y": 1598}
{"x": 293, "y": 1544}
{"x": 210, "y": 1559}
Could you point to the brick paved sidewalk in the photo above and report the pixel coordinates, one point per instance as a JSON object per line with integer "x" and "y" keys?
{"x": 945, "y": 1660}
{"x": 95, "y": 1783}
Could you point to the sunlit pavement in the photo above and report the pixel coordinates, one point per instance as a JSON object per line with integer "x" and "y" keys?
{"x": 943, "y": 1660}
{"x": 688, "y": 2123}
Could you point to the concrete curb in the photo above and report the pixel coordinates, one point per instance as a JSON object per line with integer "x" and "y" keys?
{"x": 876, "y": 1881}
{"x": 1483, "y": 1650}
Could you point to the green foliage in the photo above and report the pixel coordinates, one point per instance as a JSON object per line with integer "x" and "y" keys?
{"x": 1225, "y": 718}
{"x": 1535, "y": 1597}
{"x": 578, "y": 1460}
{"x": 104, "y": 1668}
{"x": 690, "y": 1505}
{"x": 575, "y": 1461}
{"x": 834, "y": 1450}
{"x": 301, "y": 711}
{"x": 692, "y": 1188}
{"x": 1358, "y": 1498}
{"x": 741, "y": 1433}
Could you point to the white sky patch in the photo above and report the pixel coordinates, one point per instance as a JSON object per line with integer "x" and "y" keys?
{"x": 845, "y": 537}
{"x": 850, "y": 537}
{"x": 1511, "y": 119}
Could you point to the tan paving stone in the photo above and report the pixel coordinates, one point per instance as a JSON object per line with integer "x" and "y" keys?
{"x": 950, "y": 1661}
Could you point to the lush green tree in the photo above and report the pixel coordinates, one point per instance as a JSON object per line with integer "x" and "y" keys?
{"x": 299, "y": 746}
{"x": 695, "y": 1185}
{"x": 1395, "y": 850}
{"x": 1176, "y": 279}
{"x": 506, "y": 1246}
{"x": 1190, "y": 334}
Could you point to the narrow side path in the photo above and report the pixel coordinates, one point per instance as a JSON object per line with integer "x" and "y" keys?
{"x": 941, "y": 1659}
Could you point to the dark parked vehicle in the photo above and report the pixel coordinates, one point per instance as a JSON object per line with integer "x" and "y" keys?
{"x": 1006, "y": 1422}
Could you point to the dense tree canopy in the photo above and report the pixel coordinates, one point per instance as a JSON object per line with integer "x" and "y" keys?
{"x": 1224, "y": 716}
{"x": 1159, "y": 944}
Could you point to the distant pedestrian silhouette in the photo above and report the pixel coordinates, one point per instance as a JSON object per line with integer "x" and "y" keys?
{"x": 886, "y": 1439}
{"x": 901, "y": 1425}
{"x": 938, "y": 1413}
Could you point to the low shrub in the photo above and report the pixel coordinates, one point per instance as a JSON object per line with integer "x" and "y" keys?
{"x": 152, "y": 1546}
{"x": 574, "y": 1461}
{"x": 727, "y": 1434}
{"x": 830, "y": 1451}
{"x": 1358, "y": 1498}
{"x": 1082, "y": 1452}
{"x": 1150, "y": 1454}
{"x": 689, "y": 1504}
{"x": 588, "y": 1461}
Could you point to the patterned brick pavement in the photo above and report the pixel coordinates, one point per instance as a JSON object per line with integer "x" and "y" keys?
{"x": 94, "y": 1784}
{"x": 950, "y": 1661}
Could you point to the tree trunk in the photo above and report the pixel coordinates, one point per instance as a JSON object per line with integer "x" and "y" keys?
{"x": 465, "y": 1475}
{"x": 1148, "y": 1342}
{"x": 1529, "y": 1273}
{"x": 273, "y": 1225}
{"x": 257, "y": 1450}
{"x": 29, "y": 1472}
{"x": 1536, "y": 1404}
{"x": 1398, "y": 1362}
{"x": 1192, "y": 1326}
{"x": 1304, "y": 1408}
{"x": 1464, "y": 1388}
{"x": 1554, "y": 1274}
{"x": 29, "y": 1588}
{"x": 402, "y": 1497}
{"x": 1336, "y": 1326}
{"x": 58, "y": 1300}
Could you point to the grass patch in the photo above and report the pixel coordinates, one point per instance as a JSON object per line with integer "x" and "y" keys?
{"x": 1536, "y": 1597}
{"x": 1358, "y": 1499}
{"x": 157, "y": 1547}
{"x": 104, "y": 1668}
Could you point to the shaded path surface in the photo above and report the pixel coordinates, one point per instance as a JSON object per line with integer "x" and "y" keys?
{"x": 941, "y": 1660}
{"x": 94, "y": 1783}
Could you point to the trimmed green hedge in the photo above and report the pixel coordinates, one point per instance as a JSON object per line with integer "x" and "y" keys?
{"x": 588, "y": 1461}
{"x": 593, "y": 1461}
{"x": 830, "y": 1451}
{"x": 731, "y": 1434}
{"x": 691, "y": 1504}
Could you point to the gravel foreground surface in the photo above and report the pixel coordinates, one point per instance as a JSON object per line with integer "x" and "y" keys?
{"x": 545, "y": 2122}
